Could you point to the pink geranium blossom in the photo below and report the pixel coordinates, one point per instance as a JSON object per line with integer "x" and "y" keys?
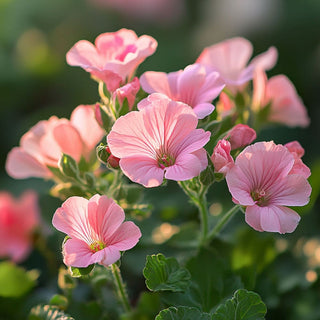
{"x": 286, "y": 106}
{"x": 221, "y": 157}
{"x": 240, "y": 136}
{"x": 263, "y": 182}
{"x": 114, "y": 57}
{"x": 225, "y": 106}
{"x": 160, "y": 140}
{"x": 194, "y": 86}
{"x": 129, "y": 92}
{"x": 96, "y": 230}
{"x": 230, "y": 58}
{"x": 18, "y": 219}
{"x": 43, "y": 144}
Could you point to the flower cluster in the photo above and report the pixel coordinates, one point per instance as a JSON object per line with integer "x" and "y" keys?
{"x": 158, "y": 127}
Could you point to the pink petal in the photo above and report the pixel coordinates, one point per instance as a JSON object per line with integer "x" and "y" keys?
{"x": 265, "y": 60}
{"x": 107, "y": 256}
{"x": 187, "y": 166}
{"x": 68, "y": 139}
{"x": 294, "y": 190}
{"x": 72, "y": 219}
{"x": 152, "y": 81}
{"x": 253, "y": 217}
{"x": 142, "y": 170}
{"x": 21, "y": 165}
{"x": 83, "y": 54}
{"x": 239, "y": 186}
{"x": 126, "y": 237}
{"x": 203, "y": 109}
{"x": 105, "y": 216}
{"x": 76, "y": 253}
{"x": 82, "y": 118}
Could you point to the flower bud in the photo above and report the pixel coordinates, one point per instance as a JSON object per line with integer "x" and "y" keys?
{"x": 221, "y": 157}
{"x": 240, "y": 136}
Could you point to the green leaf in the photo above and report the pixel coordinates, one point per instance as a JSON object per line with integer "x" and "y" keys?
{"x": 59, "y": 301}
{"x": 182, "y": 313}
{"x": 163, "y": 273}
{"x": 245, "y": 305}
{"x": 68, "y": 166}
{"x": 16, "y": 281}
{"x": 211, "y": 282}
{"x": 46, "y": 312}
{"x": 207, "y": 175}
{"x": 80, "y": 272}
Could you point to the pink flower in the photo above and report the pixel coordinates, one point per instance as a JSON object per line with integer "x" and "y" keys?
{"x": 43, "y": 144}
{"x": 18, "y": 219}
{"x": 96, "y": 230}
{"x": 225, "y": 106}
{"x": 114, "y": 57}
{"x": 286, "y": 106}
{"x": 240, "y": 136}
{"x": 160, "y": 140}
{"x": 156, "y": 11}
{"x": 128, "y": 91}
{"x": 194, "y": 86}
{"x": 221, "y": 157}
{"x": 299, "y": 167}
{"x": 261, "y": 180}
{"x": 230, "y": 59}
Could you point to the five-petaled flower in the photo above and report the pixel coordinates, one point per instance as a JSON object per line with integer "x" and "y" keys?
{"x": 114, "y": 57}
{"x": 262, "y": 180}
{"x": 160, "y": 140}
{"x": 96, "y": 230}
{"x": 19, "y": 218}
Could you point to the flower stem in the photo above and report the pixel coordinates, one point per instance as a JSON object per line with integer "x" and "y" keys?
{"x": 199, "y": 199}
{"x": 120, "y": 288}
{"x": 223, "y": 221}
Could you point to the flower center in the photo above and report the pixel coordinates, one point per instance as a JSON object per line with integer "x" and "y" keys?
{"x": 97, "y": 246}
{"x": 165, "y": 161}
{"x": 260, "y": 197}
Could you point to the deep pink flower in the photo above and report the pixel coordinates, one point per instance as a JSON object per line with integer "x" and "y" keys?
{"x": 230, "y": 58}
{"x": 261, "y": 180}
{"x": 160, "y": 140}
{"x": 18, "y": 219}
{"x": 114, "y": 57}
{"x": 240, "y": 136}
{"x": 44, "y": 143}
{"x": 194, "y": 86}
{"x": 128, "y": 91}
{"x": 297, "y": 151}
{"x": 221, "y": 157}
{"x": 286, "y": 106}
{"x": 96, "y": 230}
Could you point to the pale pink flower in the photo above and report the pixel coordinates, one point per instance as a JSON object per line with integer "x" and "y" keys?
{"x": 297, "y": 151}
{"x": 128, "y": 91}
{"x": 19, "y": 218}
{"x": 155, "y": 11}
{"x": 96, "y": 230}
{"x": 230, "y": 58}
{"x": 286, "y": 106}
{"x": 194, "y": 86}
{"x": 160, "y": 140}
{"x": 240, "y": 136}
{"x": 221, "y": 157}
{"x": 114, "y": 57}
{"x": 43, "y": 144}
{"x": 261, "y": 180}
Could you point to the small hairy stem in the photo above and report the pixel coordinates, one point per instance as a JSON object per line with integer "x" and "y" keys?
{"x": 223, "y": 221}
{"x": 120, "y": 287}
{"x": 199, "y": 199}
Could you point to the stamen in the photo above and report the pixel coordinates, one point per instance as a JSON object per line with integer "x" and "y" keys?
{"x": 165, "y": 161}
{"x": 97, "y": 246}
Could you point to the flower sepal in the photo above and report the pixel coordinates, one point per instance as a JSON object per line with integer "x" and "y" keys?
{"x": 80, "y": 272}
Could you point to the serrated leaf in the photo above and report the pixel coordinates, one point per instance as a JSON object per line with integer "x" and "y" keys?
{"x": 182, "y": 313}
{"x": 245, "y": 305}
{"x": 15, "y": 281}
{"x": 80, "y": 272}
{"x": 165, "y": 274}
{"x": 46, "y": 312}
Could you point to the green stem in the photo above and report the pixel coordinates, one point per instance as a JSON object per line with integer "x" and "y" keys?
{"x": 120, "y": 288}
{"x": 199, "y": 199}
{"x": 223, "y": 221}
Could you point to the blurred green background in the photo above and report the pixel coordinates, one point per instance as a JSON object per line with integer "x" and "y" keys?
{"x": 36, "y": 82}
